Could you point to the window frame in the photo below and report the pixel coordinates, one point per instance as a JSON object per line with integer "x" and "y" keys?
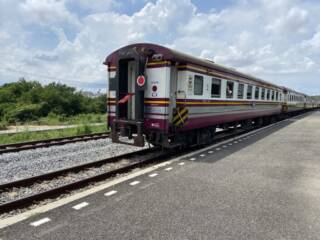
{"x": 240, "y": 84}
{"x": 272, "y": 95}
{"x": 198, "y": 77}
{"x": 268, "y": 94}
{"x": 220, "y": 87}
{"x": 263, "y": 94}
{"x": 233, "y": 87}
{"x": 255, "y": 93}
{"x": 251, "y": 95}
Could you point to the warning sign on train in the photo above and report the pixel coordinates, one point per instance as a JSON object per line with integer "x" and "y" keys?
{"x": 141, "y": 80}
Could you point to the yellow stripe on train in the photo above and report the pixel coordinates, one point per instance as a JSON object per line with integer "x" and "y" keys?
{"x": 180, "y": 117}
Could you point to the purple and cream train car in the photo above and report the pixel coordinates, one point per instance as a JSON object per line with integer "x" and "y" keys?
{"x": 170, "y": 98}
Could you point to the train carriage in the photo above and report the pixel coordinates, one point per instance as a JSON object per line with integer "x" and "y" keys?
{"x": 170, "y": 98}
{"x": 295, "y": 101}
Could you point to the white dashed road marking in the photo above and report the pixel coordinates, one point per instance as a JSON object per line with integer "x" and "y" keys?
{"x": 182, "y": 163}
{"x": 153, "y": 174}
{"x": 192, "y": 159}
{"x": 147, "y": 185}
{"x": 224, "y": 146}
{"x": 107, "y": 194}
{"x": 210, "y": 152}
{"x": 202, "y": 155}
{"x": 40, "y": 222}
{"x": 80, "y": 205}
{"x": 168, "y": 169}
{"x": 218, "y": 149}
{"x": 134, "y": 183}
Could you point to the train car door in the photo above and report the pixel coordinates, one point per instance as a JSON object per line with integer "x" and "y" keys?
{"x": 131, "y": 89}
{"x": 173, "y": 90}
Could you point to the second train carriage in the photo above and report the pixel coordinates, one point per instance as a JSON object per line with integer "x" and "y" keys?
{"x": 170, "y": 98}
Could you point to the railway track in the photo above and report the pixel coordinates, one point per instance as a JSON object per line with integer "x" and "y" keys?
{"x": 37, "y": 188}
{"x": 88, "y": 175}
{"x": 16, "y": 147}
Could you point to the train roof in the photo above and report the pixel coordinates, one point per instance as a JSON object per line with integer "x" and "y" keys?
{"x": 177, "y": 56}
{"x": 293, "y": 91}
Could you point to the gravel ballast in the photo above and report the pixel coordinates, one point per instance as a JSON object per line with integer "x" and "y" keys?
{"x": 24, "y": 164}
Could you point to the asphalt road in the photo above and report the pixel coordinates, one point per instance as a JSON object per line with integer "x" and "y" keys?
{"x": 264, "y": 187}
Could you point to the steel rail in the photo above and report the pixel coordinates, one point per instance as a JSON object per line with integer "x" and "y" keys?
{"x": 16, "y": 147}
{"x": 29, "y": 200}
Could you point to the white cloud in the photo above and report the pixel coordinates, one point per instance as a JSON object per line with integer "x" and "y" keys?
{"x": 295, "y": 21}
{"x": 96, "y": 5}
{"x": 47, "y": 12}
{"x": 271, "y": 39}
{"x": 314, "y": 42}
{"x": 4, "y": 36}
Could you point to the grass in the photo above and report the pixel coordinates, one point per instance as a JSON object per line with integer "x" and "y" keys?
{"x": 41, "y": 135}
{"x": 53, "y": 119}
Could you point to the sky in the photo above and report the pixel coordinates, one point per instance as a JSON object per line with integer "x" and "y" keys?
{"x": 66, "y": 41}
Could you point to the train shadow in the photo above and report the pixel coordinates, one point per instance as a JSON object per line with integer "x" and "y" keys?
{"x": 219, "y": 151}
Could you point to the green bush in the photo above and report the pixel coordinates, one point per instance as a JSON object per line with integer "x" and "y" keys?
{"x": 24, "y": 113}
{"x": 3, "y": 125}
{"x": 54, "y": 103}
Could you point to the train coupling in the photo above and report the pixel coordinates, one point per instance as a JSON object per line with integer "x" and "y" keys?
{"x": 128, "y": 128}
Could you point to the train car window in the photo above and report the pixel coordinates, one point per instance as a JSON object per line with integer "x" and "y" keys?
{"x": 198, "y": 85}
{"x": 229, "y": 89}
{"x": 256, "y": 93}
{"x": 268, "y": 94}
{"x": 272, "y": 95}
{"x": 263, "y": 93}
{"x": 277, "y": 96}
{"x": 240, "y": 91}
{"x": 249, "y": 92}
{"x": 215, "y": 88}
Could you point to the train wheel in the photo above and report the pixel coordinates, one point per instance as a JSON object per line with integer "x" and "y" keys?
{"x": 258, "y": 122}
{"x": 247, "y": 124}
